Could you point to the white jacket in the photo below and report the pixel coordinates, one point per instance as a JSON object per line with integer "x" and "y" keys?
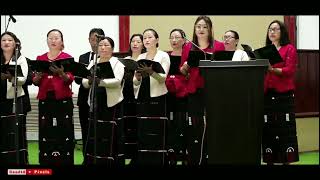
{"x": 157, "y": 80}
{"x": 22, "y": 61}
{"x": 240, "y": 55}
{"x": 113, "y": 86}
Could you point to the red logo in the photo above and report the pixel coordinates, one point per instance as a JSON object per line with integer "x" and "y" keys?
{"x": 36, "y": 172}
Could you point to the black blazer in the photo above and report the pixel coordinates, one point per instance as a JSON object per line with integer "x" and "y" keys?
{"x": 26, "y": 98}
{"x": 83, "y": 92}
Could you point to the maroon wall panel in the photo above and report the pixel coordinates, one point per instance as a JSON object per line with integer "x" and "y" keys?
{"x": 307, "y": 83}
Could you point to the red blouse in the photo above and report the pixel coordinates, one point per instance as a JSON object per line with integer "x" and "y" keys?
{"x": 284, "y": 82}
{"x": 54, "y": 82}
{"x": 196, "y": 80}
{"x": 177, "y": 84}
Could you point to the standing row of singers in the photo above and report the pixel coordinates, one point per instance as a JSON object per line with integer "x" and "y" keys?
{"x": 177, "y": 95}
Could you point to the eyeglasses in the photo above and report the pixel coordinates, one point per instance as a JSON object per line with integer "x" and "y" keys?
{"x": 274, "y": 29}
{"x": 227, "y": 37}
{"x": 177, "y": 38}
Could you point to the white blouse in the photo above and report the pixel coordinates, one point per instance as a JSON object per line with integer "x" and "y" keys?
{"x": 22, "y": 61}
{"x": 240, "y": 55}
{"x": 114, "y": 86}
{"x": 157, "y": 80}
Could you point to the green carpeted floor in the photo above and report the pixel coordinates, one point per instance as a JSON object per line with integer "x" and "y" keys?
{"x": 306, "y": 158}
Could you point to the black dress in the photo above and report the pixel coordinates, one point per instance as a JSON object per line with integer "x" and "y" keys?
{"x": 128, "y": 132}
{"x": 102, "y": 146}
{"x": 177, "y": 119}
{"x": 279, "y": 138}
{"x": 8, "y": 130}
{"x": 152, "y": 122}
{"x": 56, "y": 131}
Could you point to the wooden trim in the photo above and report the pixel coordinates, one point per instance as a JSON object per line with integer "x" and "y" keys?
{"x": 290, "y": 22}
{"x": 307, "y": 51}
{"x": 124, "y": 30}
{"x": 307, "y": 114}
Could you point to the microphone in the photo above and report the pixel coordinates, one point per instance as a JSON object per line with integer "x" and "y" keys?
{"x": 12, "y": 18}
{"x": 205, "y": 57}
{"x": 17, "y": 45}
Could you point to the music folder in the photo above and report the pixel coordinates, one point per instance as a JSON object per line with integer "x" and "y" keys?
{"x": 223, "y": 56}
{"x": 269, "y": 52}
{"x": 174, "y": 65}
{"x": 80, "y": 70}
{"x": 130, "y": 64}
{"x": 156, "y": 66}
{"x": 246, "y": 47}
{"x": 248, "y": 50}
{"x": 195, "y": 56}
{"x": 43, "y": 66}
{"x": 39, "y": 66}
{"x": 104, "y": 70}
{"x": 11, "y": 69}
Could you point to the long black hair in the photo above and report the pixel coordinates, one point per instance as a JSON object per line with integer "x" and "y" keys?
{"x": 284, "y": 35}
{"x": 141, "y": 38}
{"x": 18, "y": 46}
{"x": 209, "y": 24}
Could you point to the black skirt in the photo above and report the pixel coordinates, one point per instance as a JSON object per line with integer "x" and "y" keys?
{"x": 8, "y": 131}
{"x": 196, "y": 135}
{"x": 128, "y": 130}
{"x": 151, "y": 130}
{"x": 279, "y": 139}
{"x": 128, "y": 92}
{"x": 56, "y": 131}
{"x": 103, "y": 144}
{"x": 144, "y": 91}
{"x": 177, "y": 123}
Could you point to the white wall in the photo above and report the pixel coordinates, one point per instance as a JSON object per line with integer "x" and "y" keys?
{"x": 308, "y": 32}
{"x": 32, "y": 31}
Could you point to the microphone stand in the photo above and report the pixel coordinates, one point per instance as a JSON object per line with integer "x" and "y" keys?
{"x": 93, "y": 105}
{"x": 15, "y": 104}
{"x": 7, "y": 24}
{"x": 205, "y": 53}
{"x": 205, "y": 113}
